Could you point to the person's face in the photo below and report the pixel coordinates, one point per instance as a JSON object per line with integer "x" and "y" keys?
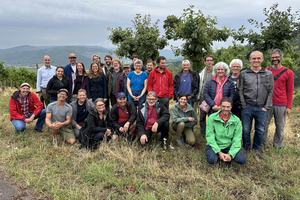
{"x": 209, "y": 62}
{"x": 126, "y": 70}
{"x": 81, "y": 96}
{"x": 62, "y": 96}
{"x": 185, "y": 66}
{"x": 100, "y": 106}
{"x": 25, "y": 91}
{"x": 138, "y": 67}
{"x": 97, "y": 59}
{"x": 162, "y": 64}
{"x": 59, "y": 72}
{"x": 275, "y": 58}
{"x": 220, "y": 72}
{"x": 256, "y": 59}
{"x": 235, "y": 68}
{"x": 182, "y": 101}
{"x": 79, "y": 67}
{"x": 108, "y": 61}
{"x": 47, "y": 61}
{"x": 122, "y": 101}
{"x": 72, "y": 60}
{"x": 225, "y": 108}
{"x": 151, "y": 100}
{"x": 150, "y": 66}
{"x": 116, "y": 64}
{"x": 95, "y": 68}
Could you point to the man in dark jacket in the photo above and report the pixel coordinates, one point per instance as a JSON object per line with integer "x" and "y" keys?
{"x": 153, "y": 117}
{"x": 122, "y": 81}
{"x": 106, "y": 67}
{"x": 71, "y": 67}
{"x": 115, "y": 72}
{"x": 255, "y": 89}
{"x": 186, "y": 81}
{"x": 24, "y": 107}
{"x": 123, "y": 116}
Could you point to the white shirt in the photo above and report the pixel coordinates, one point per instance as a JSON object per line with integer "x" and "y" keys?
{"x": 44, "y": 74}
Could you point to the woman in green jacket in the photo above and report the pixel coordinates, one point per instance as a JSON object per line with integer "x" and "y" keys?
{"x": 184, "y": 118}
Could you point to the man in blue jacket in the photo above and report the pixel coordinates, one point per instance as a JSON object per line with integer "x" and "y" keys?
{"x": 71, "y": 67}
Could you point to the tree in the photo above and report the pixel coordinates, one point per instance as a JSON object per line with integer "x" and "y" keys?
{"x": 279, "y": 30}
{"x": 144, "y": 40}
{"x": 197, "y": 32}
{"x": 3, "y": 75}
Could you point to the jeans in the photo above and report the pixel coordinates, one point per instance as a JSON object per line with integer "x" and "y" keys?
{"x": 21, "y": 125}
{"x": 248, "y": 114}
{"x": 137, "y": 103}
{"x": 212, "y": 157}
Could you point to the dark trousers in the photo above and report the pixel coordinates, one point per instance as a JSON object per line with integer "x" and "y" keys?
{"x": 202, "y": 119}
{"x": 163, "y": 128}
{"x": 165, "y": 101}
{"x": 113, "y": 100}
{"x": 212, "y": 157}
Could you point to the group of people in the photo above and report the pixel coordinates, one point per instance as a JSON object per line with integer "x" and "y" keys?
{"x": 111, "y": 101}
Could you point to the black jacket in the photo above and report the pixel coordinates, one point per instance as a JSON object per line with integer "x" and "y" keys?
{"x": 194, "y": 81}
{"x": 114, "y": 114}
{"x": 54, "y": 85}
{"x": 161, "y": 111}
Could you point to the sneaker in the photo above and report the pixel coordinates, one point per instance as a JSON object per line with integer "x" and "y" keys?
{"x": 38, "y": 130}
{"x": 179, "y": 142}
{"x": 258, "y": 153}
{"x": 164, "y": 144}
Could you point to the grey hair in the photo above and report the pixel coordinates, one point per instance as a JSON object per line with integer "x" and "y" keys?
{"x": 221, "y": 64}
{"x": 152, "y": 93}
{"x": 186, "y": 61}
{"x": 99, "y": 100}
{"x": 236, "y": 61}
{"x": 276, "y": 51}
{"x": 138, "y": 61}
{"x": 262, "y": 55}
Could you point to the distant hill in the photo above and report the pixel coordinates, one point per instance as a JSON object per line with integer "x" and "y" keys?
{"x": 30, "y": 55}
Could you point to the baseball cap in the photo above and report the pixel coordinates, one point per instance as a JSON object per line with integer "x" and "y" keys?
{"x": 72, "y": 55}
{"x": 25, "y": 84}
{"x": 62, "y": 90}
{"x": 126, "y": 66}
{"x": 120, "y": 95}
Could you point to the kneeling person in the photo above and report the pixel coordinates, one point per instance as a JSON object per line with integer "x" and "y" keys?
{"x": 123, "y": 116}
{"x": 81, "y": 107}
{"x": 223, "y": 135}
{"x": 58, "y": 117}
{"x": 153, "y": 117}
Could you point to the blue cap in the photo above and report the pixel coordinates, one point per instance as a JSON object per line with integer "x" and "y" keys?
{"x": 121, "y": 94}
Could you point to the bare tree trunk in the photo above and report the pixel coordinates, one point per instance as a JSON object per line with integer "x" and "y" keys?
{"x": 37, "y": 66}
{"x": 2, "y": 86}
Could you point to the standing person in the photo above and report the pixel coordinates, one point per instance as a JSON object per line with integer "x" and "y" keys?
{"x": 81, "y": 107}
{"x": 223, "y": 135}
{"x": 97, "y": 58}
{"x": 204, "y": 76}
{"x": 71, "y": 67}
{"x": 115, "y": 72}
{"x": 122, "y": 81}
{"x": 153, "y": 117}
{"x": 44, "y": 74}
{"x": 186, "y": 81}
{"x": 78, "y": 79}
{"x": 184, "y": 118}
{"x": 256, "y": 86}
{"x": 134, "y": 58}
{"x": 236, "y": 65}
{"x": 58, "y": 82}
{"x": 282, "y": 98}
{"x": 106, "y": 67}
{"x": 24, "y": 107}
{"x": 149, "y": 66}
{"x": 96, "y": 83}
{"x": 161, "y": 82}
{"x": 218, "y": 87}
{"x": 137, "y": 82}
{"x": 58, "y": 118}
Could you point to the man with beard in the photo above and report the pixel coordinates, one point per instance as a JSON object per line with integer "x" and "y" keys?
{"x": 81, "y": 107}
{"x": 58, "y": 118}
{"x": 44, "y": 74}
{"x": 106, "y": 67}
{"x": 71, "y": 67}
{"x": 282, "y": 98}
{"x": 161, "y": 82}
{"x": 24, "y": 107}
{"x": 150, "y": 66}
{"x": 223, "y": 135}
{"x": 114, "y": 72}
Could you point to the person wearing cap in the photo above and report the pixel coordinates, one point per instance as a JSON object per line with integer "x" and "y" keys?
{"x": 123, "y": 116}
{"x": 71, "y": 67}
{"x": 58, "y": 117}
{"x": 24, "y": 107}
{"x": 44, "y": 74}
{"x": 186, "y": 81}
{"x": 122, "y": 81}
{"x": 114, "y": 72}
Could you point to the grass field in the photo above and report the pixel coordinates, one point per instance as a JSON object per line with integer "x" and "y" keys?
{"x": 122, "y": 170}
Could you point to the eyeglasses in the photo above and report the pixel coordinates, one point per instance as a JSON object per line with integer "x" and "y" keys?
{"x": 209, "y": 60}
{"x": 72, "y": 57}
{"x": 235, "y": 66}
{"x": 101, "y": 105}
{"x": 151, "y": 99}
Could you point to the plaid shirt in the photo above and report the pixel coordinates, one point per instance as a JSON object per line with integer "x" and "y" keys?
{"x": 24, "y": 101}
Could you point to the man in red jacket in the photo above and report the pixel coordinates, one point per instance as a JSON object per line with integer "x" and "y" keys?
{"x": 24, "y": 107}
{"x": 160, "y": 81}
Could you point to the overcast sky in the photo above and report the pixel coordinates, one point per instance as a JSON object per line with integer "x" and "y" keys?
{"x": 85, "y": 22}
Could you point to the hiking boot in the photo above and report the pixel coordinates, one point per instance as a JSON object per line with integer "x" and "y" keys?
{"x": 258, "y": 153}
{"x": 179, "y": 142}
{"x": 38, "y": 130}
{"x": 164, "y": 144}
{"x": 245, "y": 152}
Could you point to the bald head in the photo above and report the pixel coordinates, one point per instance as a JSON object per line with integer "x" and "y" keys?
{"x": 47, "y": 61}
